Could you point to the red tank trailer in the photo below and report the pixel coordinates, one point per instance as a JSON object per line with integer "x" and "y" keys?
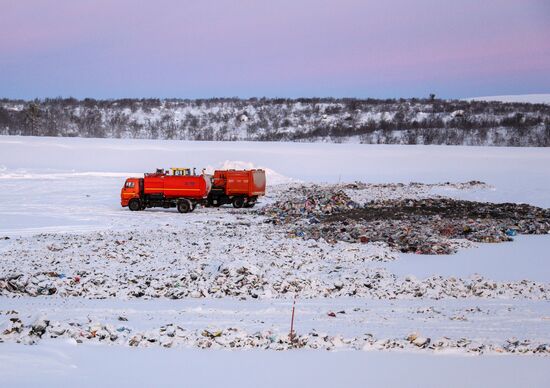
{"x": 238, "y": 187}
{"x": 178, "y": 188}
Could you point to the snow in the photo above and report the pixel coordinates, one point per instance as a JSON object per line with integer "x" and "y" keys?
{"x": 272, "y": 176}
{"x": 67, "y": 218}
{"x": 523, "y": 98}
{"x": 518, "y": 174}
{"x": 59, "y": 364}
{"x": 524, "y": 258}
{"x": 492, "y": 321}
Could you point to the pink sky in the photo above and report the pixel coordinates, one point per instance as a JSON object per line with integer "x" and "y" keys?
{"x": 179, "y": 48}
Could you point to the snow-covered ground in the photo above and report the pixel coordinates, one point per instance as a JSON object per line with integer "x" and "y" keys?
{"x": 524, "y": 258}
{"x": 524, "y": 98}
{"x": 59, "y": 206}
{"x": 57, "y": 364}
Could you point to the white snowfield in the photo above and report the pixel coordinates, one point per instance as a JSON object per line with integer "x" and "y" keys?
{"x": 523, "y": 98}
{"x": 136, "y": 293}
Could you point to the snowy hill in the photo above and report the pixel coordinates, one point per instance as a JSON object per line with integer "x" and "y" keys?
{"x": 521, "y": 98}
{"x": 370, "y": 121}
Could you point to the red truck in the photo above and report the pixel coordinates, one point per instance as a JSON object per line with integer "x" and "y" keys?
{"x": 184, "y": 190}
{"x": 238, "y": 187}
{"x": 178, "y": 188}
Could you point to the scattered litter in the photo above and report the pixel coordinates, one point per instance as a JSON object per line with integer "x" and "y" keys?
{"x": 234, "y": 338}
{"x": 340, "y": 233}
{"x": 421, "y": 225}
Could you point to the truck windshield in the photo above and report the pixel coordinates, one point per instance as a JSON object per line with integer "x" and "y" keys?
{"x": 129, "y": 185}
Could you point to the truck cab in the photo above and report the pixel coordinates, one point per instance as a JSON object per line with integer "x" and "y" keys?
{"x": 180, "y": 188}
{"x": 130, "y": 190}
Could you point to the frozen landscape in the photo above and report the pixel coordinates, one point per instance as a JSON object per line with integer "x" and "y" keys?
{"x": 275, "y": 193}
{"x": 522, "y": 120}
{"x": 86, "y": 285}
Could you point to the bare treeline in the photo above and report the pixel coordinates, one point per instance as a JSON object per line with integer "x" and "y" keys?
{"x": 390, "y": 121}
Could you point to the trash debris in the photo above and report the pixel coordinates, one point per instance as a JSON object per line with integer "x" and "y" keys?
{"x": 344, "y": 233}
{"x": 418, "y": 340}
{"x": 210, "y": 334}
{"x": 511, "y": 232}
{"x": 423, "y": 226}
{"x": 38, "y": 328}
{"x": 339, "y": 234}
{"x": 16, "y": 326}
{"x": 234, "y": 338}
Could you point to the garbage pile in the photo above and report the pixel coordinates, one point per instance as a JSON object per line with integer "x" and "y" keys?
{"x": 311, "y": 203}
{"x": 245, "y": 283}
{"x": 241, "y": 256}
{"x": 172, "y": 335}
{"x": 423, "y": 226}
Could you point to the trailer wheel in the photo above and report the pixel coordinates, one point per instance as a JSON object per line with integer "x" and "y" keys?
{"x": 134, "y": 205}
{"x": 238, "y": 202}
{"x": 184, "y": 206}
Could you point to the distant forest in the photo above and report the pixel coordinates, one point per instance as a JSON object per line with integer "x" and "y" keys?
{"x": 374, "y": 121}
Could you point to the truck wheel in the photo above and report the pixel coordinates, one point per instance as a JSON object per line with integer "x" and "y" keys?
{"x": 238, "y": 202}
{"x": 250, "y": 204}
{"x": 184, "y": 206}
{"x": 134, "y": 205}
